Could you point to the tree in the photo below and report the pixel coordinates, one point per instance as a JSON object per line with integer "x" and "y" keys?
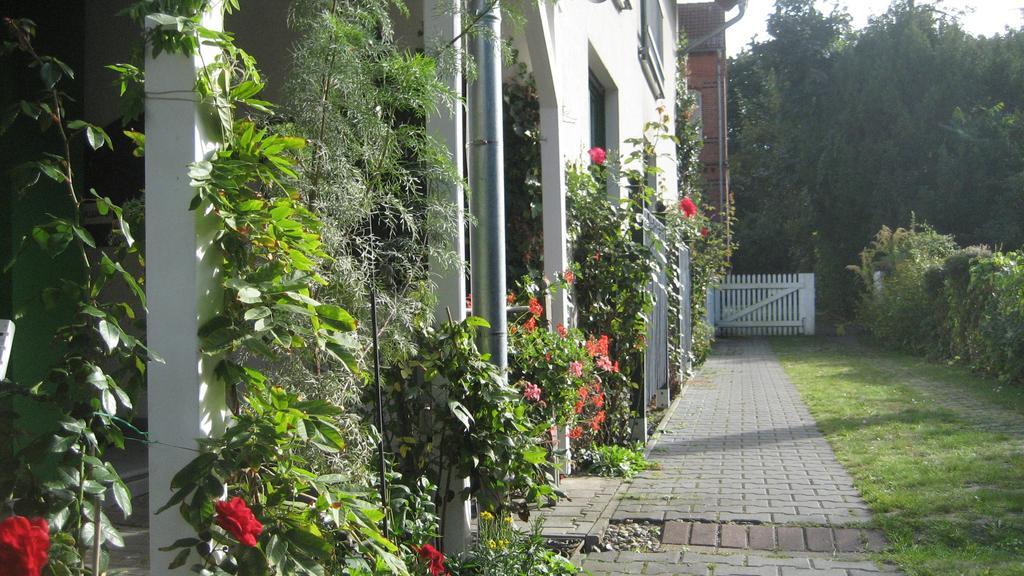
{"x": 836, "y": 133}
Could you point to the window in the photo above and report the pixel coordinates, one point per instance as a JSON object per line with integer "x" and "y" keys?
{"x": 651, "y": 24}
{"x": 598, "y": 116}
{"x": 697, "y": 119}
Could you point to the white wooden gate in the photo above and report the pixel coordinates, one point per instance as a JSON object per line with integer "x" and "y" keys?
{"x": 763, "y": 305}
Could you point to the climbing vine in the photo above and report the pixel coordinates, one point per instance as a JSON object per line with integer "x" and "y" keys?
{"x": 56, "y": 432}
{"x": 286, "y": 511}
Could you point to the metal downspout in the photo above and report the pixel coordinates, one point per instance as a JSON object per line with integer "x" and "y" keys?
{"x": 719, "y": 84}
{"x": 487, "y": 181}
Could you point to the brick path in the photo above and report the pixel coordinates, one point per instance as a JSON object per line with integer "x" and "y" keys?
{"x": 743, "y": 466}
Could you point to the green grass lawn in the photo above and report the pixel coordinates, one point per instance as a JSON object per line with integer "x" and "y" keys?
{"x": 936, "y": 451}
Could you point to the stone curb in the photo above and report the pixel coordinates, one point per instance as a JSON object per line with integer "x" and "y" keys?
{"x": 769, "y": 537}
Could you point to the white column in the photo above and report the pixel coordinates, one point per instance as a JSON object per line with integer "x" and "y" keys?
{"x": 439, "y": 27}
{"x": 556, "y": 237}
{"x": 540, "y": 35}
{"x": 185, "y": 400}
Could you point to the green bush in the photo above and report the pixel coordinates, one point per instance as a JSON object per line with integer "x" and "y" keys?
{"x": 898, "y": 310}
{"x": 504, "y": 550}
{"x": 617, "y": 461}
{"x": 964, "y": 305}
{"x": 990, "y": 323}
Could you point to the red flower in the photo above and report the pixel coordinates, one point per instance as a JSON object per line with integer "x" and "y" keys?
{"x": 704, "y": 231}
{"x": 24, "y": 545}
{"x": 599, "y": 400}
{"x": 236, "y": 517}
{"x": 598, "y": 347}
{"x": 531, "y": 324}
{"x": 535, "y": 308}
{"x": 583, "y": 392}
{"x": 578, "y": 408}
{"x": 570, "y": 276}
{"x": 469, "y": 301}
{"x": 597, "y": 256}
{"x": 604, "y": 363}
{"x": 688, "y": 207}
{"x": 576, "y": 432}
{"x": 434, "y": 559}
{"x": 597, "y": 155}
{"x": 615, "y": 366}
{"x": 562, "y": 330}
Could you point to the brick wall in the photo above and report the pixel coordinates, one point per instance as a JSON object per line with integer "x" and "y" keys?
{"x": 696, "y": 21}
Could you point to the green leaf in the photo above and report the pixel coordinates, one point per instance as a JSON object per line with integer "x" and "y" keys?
{"x": 252, "y": 562}
{"x": 109, "y": 402}
{"x": 97, "y": 137}
{"x": 460, "y": 412}
{"x": 51, "y": 169}
{"x": 535, "y": 455}
{"x": 50, "y": 74}
{"x": 257, "y": 313}
{"x": 96, "y": 377}
{"x": 339, "y": 316}
{"x": 122, "y": 497}
{"x": 84, "y": 236}
{"x": 179, "y": 559}
{"x": 194, "y": 471}
{"x": 477, "y": 322}
{"x": 181, "y": 543}
{"x": 139, "y": 139}
{"x": 110, "y": 333}
{"x": 249, "y": 295}
{"x": 277, "y": 550}
{"x": 300, "y": 261}
{"x": 312, "y": 544}
{"x": 61, "y": 444}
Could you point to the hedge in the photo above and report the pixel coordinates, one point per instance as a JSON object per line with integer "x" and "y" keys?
{"x": 936, "y": 299}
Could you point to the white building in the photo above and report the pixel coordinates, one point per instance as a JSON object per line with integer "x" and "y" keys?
{"x": 602, "y": 71}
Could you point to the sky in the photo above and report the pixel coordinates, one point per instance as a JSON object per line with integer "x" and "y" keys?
{"x": 981, "y": 17}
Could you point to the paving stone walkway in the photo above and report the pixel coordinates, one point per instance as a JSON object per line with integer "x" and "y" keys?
{"x": 584, "y": 510}
{"x": 741, "y": 458}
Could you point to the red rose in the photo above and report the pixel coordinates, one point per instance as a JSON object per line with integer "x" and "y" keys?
{"x": 562, "y": 330}
{"x": 434, "y": 559}
{"x": 704, "y": 231}
{"x": 570, "y": 277}
{"x": 688, "y": 207}
{"x": 597, "y": 155}
{"x": 239, "y": 521}
{"x": 24, "y": 545}
{"x": 576, "y": 432}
